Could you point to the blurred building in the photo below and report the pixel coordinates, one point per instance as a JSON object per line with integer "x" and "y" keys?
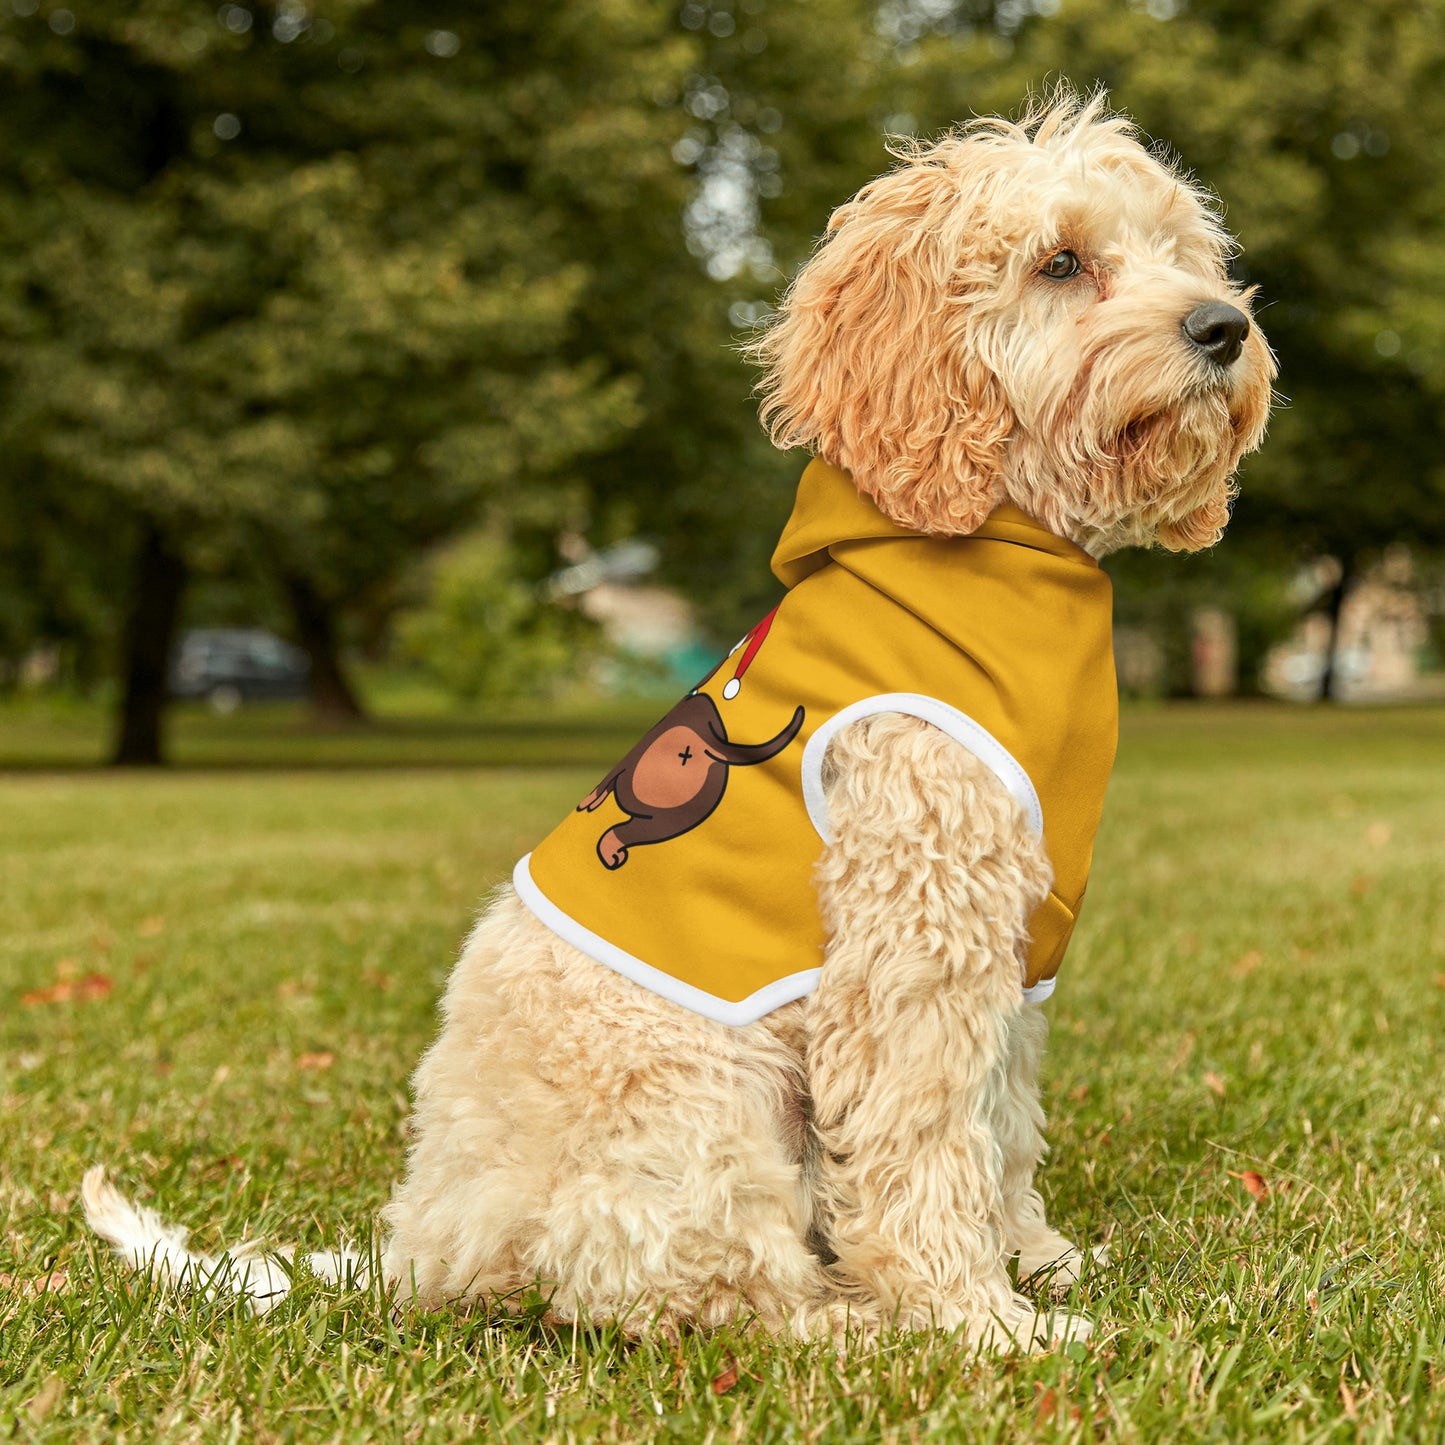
{"x": 656, "y": 641}
{"x": 1382, "y": 647}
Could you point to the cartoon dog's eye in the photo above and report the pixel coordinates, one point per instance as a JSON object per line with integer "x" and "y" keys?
{"x": 1061, "y": 266}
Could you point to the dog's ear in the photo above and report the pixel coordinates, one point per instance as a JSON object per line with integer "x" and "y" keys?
{"x": 873, "y": 361}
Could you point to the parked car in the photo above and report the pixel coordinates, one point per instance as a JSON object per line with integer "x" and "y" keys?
{"x": 230, "y": 665}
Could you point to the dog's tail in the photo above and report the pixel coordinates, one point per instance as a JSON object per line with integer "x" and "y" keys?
{"x": 148, "y": 1244}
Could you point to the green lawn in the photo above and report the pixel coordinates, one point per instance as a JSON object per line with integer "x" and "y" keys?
{"x": 216, "y": 980}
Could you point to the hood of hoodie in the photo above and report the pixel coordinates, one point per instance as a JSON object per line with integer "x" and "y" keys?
{"x": 831, "y": 518}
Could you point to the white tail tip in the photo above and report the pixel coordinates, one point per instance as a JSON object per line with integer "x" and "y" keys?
{"x": 147, "y": 1243}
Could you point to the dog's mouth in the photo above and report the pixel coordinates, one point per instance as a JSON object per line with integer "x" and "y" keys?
{"x": 1138, "y": 433}
{"x": 1171, "y": 428}
{"x": 1170, "y": 457}
{"x": 1201, "y": 409}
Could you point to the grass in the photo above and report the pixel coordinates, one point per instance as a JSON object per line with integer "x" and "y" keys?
{"x": 230, "y": 972}
{"x": 412, "y": 728}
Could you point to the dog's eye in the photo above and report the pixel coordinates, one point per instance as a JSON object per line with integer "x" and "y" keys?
{"x": 1060, "y": 266}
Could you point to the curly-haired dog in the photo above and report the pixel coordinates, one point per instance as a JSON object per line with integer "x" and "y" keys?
{"x": 813, "y": 1103}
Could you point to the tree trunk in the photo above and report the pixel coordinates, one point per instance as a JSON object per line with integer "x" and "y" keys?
{"x": 150, "y": 630}
{"x": 1329, "y": 676}
{"x": 333, "y": 699}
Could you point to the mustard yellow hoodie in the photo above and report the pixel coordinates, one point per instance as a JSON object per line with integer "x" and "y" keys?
{"x": 689, "y": 867}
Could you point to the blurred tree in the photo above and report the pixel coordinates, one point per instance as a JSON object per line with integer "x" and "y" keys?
{"x": 326, "y": 283}
{"x": 58, "y": 573}
{"x": 480, "y": 632}
{"x": 781, "y": 112}
{"x": 307, "y": 280}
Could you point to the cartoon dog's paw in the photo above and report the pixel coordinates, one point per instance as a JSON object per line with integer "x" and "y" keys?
{"x": 611, "y": 849}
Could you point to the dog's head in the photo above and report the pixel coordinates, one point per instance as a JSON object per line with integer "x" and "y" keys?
{"x": 1036, "y": 311}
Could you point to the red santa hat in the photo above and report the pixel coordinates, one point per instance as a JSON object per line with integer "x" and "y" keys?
{"x": 749, "y": 647}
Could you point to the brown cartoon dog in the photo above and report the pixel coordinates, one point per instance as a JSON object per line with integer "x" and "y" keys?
{"x": 676, "y": 776}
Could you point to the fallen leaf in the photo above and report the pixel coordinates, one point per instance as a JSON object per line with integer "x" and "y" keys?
{"x": 321, "y": 1059}
{"x": 56, "y": 993}
{"x": 56, "y": 1282}
{"x": 1247, "y": 964}
{"x": 377, "y": 979}
{"x": 1046, "y": 1408}
{"x": 1254, "y": 1182}
{"x": 1214, "y": 1083}
{"x": 1181, "y": 1054}
{"x": 724, "y": 1382}
{"x": 1440, "y": 980}
{"x": 151, "y": 927}
{"x": 1360, "y": 885}
{"x": 82, "y": 990}
{"x": 1080, "y": 1094}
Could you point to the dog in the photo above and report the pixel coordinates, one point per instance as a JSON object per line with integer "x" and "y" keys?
{"x": 1014, "y": 353}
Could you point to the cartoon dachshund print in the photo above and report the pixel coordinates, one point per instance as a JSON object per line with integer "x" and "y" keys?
{"x": 676, "y": 776}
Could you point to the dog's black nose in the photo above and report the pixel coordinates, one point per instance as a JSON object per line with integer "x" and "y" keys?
{"x": 1217, "y": 330}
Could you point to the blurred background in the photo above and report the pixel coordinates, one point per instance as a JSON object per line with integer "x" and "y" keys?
{"x": 371, "y": 361}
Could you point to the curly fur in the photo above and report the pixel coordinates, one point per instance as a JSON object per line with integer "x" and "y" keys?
{"x": 642, "y": 1163}
{"x": 921, "y": 349}
{"x": 865, "y": 1156}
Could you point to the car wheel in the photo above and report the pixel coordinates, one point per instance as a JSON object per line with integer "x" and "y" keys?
{"x": 224, "y": 699}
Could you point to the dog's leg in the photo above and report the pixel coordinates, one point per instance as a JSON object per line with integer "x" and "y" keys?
{"x": 927, "y": 889}
{"x": 577, "y": 1134}
{"x": 1018, "y": 1124}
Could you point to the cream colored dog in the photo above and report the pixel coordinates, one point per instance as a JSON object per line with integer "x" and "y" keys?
{"x": 1034, "y": 312}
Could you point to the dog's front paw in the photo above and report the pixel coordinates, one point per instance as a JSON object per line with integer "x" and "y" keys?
{"x": 1023, "y": 1326}
{"x": 1057, "y": 1265}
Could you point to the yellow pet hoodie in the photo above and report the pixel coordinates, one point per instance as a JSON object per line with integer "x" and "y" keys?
{"x": 689, "y": 867}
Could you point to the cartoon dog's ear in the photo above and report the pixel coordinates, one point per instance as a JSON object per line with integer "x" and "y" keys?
{"x": 872, "y": 363}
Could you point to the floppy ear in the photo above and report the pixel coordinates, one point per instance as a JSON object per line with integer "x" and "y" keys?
{"x": 872, "y": 362}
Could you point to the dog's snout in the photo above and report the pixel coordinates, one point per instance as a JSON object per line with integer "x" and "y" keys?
{"x": 1218, "y": 330}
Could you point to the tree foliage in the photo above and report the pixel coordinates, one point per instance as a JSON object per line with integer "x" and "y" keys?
{"x": 323, "y": 284}
{"x": 480, "y": 633}
{"x": 318, "y": 285}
